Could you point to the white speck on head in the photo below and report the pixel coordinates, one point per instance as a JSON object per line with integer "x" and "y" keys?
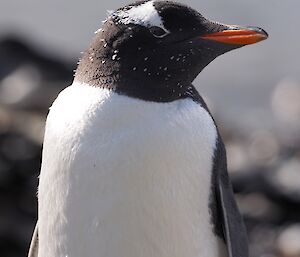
{"x": 103, "y": 61}
{"x": 98, "y": 31}
{"x": 145, "y": 69}
{"x": 114, "y": 57}
{"x": 105, "y": 45}
{"x": 172, "y": 57}
{"x": 144, "y": 14}
{"x": 134, "y": 68}
{"x": 146, "y": 58}
{"x": 166, "y": 68}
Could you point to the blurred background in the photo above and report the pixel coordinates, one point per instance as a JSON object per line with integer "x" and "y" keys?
{"x": 254, "y": 94}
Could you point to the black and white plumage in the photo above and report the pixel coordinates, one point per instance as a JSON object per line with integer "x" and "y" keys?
{"x": 133, "y": 164}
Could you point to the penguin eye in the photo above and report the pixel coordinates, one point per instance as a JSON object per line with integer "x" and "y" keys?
{"x": 158, "y": 32}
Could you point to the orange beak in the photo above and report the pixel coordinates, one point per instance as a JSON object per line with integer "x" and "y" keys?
{"x": 239, "y": 36}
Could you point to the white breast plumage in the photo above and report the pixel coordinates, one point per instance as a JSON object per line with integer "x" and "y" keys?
{"x": 123, "y": 177}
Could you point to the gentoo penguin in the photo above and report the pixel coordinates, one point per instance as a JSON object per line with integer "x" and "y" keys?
{"x": 133, "y": 164}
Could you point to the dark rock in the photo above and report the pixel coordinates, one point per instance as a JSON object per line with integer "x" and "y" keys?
{"x": 28, "y": 78}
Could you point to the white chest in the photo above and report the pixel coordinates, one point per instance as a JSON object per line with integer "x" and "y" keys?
{"x": 126, "y": 178}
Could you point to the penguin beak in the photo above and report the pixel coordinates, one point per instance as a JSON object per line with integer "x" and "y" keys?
{"x": 238, "y": 36}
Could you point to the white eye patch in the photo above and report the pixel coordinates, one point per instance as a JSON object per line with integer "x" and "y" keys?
{"x": 144, "y": 14}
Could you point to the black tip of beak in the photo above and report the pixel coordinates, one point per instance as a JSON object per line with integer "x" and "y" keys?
{"x": 258, "y": 30}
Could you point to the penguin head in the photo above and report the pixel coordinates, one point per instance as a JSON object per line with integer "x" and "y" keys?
{"x": 155, "y": 49}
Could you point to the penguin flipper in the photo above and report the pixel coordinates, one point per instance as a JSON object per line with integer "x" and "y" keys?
{"x": 234, "y": 230}
{"x": 34, "y": 245}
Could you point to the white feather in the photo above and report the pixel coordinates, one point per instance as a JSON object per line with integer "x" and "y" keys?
{"x": 144, "y": 14}
{"x": 123, "y": 177}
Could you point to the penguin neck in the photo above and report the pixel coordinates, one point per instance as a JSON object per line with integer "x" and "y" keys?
{"x": 102, "y": 72}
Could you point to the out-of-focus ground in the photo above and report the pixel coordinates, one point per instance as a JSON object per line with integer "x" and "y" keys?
{"x": 254, "y": 94}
